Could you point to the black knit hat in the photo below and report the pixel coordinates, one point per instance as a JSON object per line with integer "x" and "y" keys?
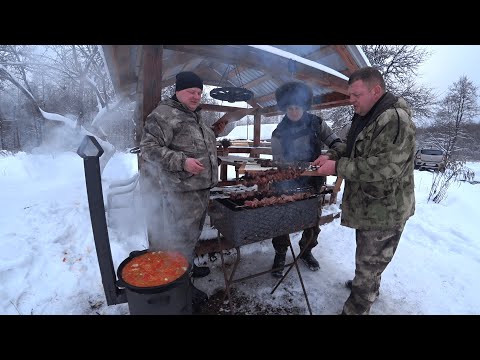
{"x": 294, "y": 93}
{"x": 187, "y": 80}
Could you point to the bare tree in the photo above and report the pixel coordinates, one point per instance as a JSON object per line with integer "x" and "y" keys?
{"x": 458, "y": 108}
{"x": 75, "y": 68}
{"x": 399, "y": 66}
{"x": 339, "y": 117}
{"x": 83, "y": 66}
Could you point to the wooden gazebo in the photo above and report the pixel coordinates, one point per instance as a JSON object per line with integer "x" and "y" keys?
{"x": 141, "y": 71}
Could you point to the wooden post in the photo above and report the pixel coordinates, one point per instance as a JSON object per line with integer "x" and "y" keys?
{"x": 257, "y": 119}
{"x": 223, "y": 167}
{"x": 151, "y": 76}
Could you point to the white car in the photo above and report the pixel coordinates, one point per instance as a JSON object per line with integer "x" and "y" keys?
{"x": 430, "y": 159}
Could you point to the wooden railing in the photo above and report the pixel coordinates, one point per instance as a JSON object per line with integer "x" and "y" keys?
{"x": 252, "y": 151}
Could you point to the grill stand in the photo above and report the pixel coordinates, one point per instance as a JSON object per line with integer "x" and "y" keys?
{"x": 229, "y": 280}
{"x": 290, "y": 266}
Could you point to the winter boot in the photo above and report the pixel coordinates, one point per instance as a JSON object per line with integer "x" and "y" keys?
{"x": 349, "y": 284}
{"x": 279, "y": 264}
{"x": 310, "y": 261}
{"x": 200, "y": 271}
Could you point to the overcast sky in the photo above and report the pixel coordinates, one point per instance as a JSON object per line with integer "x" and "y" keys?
{"x": 448, "y": 63}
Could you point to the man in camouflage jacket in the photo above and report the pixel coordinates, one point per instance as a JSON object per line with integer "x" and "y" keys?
{"x": 181, "y": 166}
{"x": 377, "y": 165}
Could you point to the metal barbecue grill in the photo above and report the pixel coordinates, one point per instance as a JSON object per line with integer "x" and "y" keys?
{"x": 241, "y": 225}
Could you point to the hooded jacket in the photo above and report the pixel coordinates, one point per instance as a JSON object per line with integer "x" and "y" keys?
{"x": 172, "y": 133}
{"x": 378, "y": 167}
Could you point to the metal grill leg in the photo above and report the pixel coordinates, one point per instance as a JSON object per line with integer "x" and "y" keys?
{"x": 295, "y": 262}
{"x": 228, "y": 279}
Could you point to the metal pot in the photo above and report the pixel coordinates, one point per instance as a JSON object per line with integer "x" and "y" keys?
{"x": 174, "y": 298}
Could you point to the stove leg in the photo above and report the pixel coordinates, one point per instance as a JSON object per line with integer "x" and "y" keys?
{"x": 295, "y": 263}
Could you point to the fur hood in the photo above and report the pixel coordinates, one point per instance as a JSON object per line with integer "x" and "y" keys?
{"x": 294, "y": 93}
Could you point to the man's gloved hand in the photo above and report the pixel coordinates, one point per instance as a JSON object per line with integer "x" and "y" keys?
{"x": 328, "y": 168}
{"x": 321, "y": 160}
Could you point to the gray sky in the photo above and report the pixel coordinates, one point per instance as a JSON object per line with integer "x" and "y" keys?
{"x": 448, "y": 63}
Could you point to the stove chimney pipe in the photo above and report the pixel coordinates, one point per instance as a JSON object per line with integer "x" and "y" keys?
{"x": 90, "y": 150}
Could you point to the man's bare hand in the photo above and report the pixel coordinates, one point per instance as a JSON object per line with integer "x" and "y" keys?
{"x": 321, "y": 160}
{"x": 328, "y": 168}
{"x": 193, "y": 166}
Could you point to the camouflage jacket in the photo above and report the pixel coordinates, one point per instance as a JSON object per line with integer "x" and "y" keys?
{"x": 379, "y": 183}
{"x": 172, "y": 133}
{"x": 302, "y": 140}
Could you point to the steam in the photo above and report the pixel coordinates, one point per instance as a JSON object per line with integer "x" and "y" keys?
{"x": 168, "y": 217}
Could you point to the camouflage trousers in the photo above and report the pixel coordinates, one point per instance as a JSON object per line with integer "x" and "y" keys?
{"x": 375, "y": 250}
{"x": 175, "y": 220}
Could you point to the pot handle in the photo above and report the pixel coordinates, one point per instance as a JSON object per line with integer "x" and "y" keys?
{"x": 121, "y": 283}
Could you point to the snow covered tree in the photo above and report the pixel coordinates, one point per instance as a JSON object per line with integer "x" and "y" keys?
{"x": 74, "y": 73}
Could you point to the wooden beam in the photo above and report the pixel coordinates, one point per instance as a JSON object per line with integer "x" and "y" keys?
{"x": 220, "y": 108}
{"x": 347, "y": 59}
{"x": 321, "y": 53}
{"x": 310, "y": 78}
{"x": 121, "y": 67}
{"x": 235, "y": 115}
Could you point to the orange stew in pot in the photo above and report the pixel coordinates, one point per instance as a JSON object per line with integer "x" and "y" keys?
{"x": 154, "y": 268}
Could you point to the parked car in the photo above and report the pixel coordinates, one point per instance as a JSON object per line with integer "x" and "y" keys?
{"x": 430, "y": 159}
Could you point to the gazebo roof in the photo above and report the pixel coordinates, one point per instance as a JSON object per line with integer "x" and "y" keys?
{"x": 258, "y": 68}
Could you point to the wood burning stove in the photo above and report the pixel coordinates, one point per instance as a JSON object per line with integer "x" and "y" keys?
{"x": 173, "y": 298}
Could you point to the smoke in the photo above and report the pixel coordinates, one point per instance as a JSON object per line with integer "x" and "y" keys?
{"x": 169, "y": 218}
{"x": 59, "y": 138}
